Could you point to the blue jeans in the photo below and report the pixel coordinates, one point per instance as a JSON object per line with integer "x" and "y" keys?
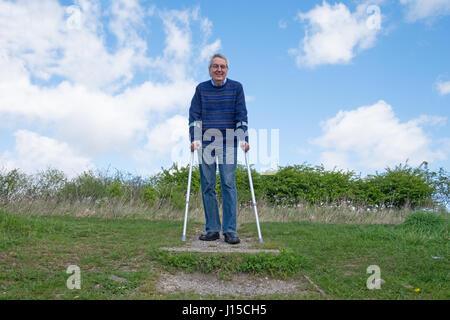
{"x": 227, "y": 172}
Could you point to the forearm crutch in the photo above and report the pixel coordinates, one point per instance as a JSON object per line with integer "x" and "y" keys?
{"x": 183, "y": 238}
{"x": 253, "y": 197}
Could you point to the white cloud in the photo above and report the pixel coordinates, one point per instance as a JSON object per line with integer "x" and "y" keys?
{"x": 34, "y": 152}
{"x": 90, "y": 106}
{"x": 94, "y": 121}
{"x": 127, "y": 16}
{"x": 334, "y": 35}
{"x": 164, "y": 136}
{"x": 210, "y": 49}
{"x": 443, "y": 87}
{"x": 43, "y": 35}
{"x": 206, "y": 27}
{"x": 372, "y": 137}
{"x": 179, "y": 50}
{"x": 335, "y": 160}
{"x": 178, "y": 41}
{"x": 167, "y": 140}
{"x": 424, "y": 9}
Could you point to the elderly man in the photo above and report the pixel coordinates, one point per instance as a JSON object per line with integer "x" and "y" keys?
{"x": 217, "y": 121}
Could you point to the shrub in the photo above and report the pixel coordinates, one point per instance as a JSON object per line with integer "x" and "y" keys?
{"x": 314, "y": 185}
{"x": 441, "y": 187}
{"x": 400, "y": 187}
{"x": 149, "y": 195}
{"x": 13, "y": 185}
{"x": 397, "y": 188}
{"x": 115, "y": 189}
{"x": 86, "y": 187}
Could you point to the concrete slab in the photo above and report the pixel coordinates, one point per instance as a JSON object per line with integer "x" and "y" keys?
{"x": 247, "y": 245}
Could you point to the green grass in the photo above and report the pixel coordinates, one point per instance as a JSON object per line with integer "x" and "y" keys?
{"x": 35, "y": 252}
{"x": 282, "y": 266}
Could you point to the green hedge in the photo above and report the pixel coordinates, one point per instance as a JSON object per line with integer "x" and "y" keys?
{"x": 398, "y": 187}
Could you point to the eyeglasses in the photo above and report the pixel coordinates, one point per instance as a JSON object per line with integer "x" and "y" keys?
{"x": 217, "y": 66}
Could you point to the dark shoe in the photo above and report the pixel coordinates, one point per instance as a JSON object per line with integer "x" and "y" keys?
{"x": 209, "y": 236}
{"x": 231, "y": 238}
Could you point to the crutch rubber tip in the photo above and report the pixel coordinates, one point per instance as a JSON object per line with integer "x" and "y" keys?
{"x": 260, "y": 240}
{"x": 183, "y": 238}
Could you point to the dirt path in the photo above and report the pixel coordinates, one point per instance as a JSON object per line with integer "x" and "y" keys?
{"x": 240, "y": 285}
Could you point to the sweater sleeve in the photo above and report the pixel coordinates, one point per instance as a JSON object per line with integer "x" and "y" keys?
{"x": 195, "y": 115}
{"x": 241, "y": 112}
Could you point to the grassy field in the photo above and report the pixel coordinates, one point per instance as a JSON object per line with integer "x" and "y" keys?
{"x": 35, "y": 252}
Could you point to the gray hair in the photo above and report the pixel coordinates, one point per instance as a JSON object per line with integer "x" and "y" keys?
{"x": 217, "y": 55}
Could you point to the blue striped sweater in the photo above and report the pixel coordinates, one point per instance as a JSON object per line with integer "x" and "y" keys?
{"x": 218, "y": 107}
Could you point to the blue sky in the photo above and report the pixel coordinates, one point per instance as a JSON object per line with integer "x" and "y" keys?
{"x": 358, "y": 85}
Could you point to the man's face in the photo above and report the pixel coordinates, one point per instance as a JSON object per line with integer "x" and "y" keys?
{"x": 218, "y": 70}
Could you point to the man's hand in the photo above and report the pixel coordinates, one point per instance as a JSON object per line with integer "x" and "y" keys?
{"x": 195, "y": 145}
{"x": 245, "y": 146}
